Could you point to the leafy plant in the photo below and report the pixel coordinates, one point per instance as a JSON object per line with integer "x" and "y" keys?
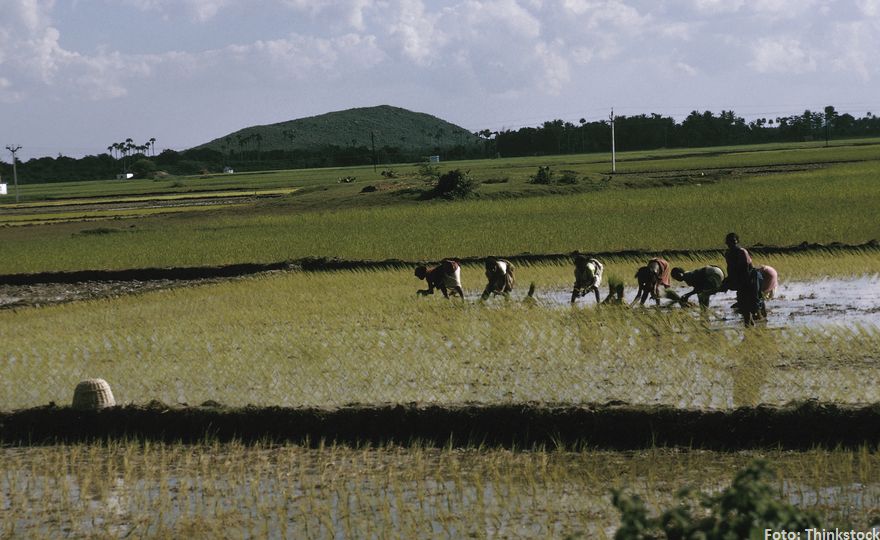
{"x": 743, "y": 510}
{"x": 543, "y": 176}
{"x": 455, "y": 184}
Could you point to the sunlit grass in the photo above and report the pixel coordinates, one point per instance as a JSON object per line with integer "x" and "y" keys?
{"x": 327, "y": 339}
{"x": 826, "y": 205}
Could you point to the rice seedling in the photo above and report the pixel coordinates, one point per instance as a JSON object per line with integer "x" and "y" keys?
{"x": 233, "y": 490}
{"x": 277, "y": 340}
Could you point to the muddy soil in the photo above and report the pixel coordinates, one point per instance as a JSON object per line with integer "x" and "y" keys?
{"x": 802, "y": 426}
{"x": 828, "y": 301}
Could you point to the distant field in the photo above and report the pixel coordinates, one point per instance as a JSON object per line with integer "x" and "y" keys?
{"x": 836, "y": 202}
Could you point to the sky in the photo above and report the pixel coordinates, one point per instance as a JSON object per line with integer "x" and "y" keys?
{"x": 78, "y": 75}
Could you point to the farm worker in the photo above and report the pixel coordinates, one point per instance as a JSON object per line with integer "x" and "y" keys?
{"x": 499, "y": 273}
{"x": 769, "y": 281}
{"x": 650, "y": 277}
{"x": 587, "y": 276}
{"x": 744, "y": 279}
{"x": 706, "y": 281}
{"x": 446, "y": 275}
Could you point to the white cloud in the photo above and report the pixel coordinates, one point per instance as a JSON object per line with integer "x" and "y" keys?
{"x": 555, "y": 71}
{"x": 782, "y": 55}
{"x": 869, "y": 8}
{"x": 718, "y": 6}
{"x": 607, "y": 13}
{"x": 685, "y": 68}
{"x": 416, "y": 31}
{"x": 501, "y": 15}
{"x": 857, "y": 47}
{"x": 201, "y": 10}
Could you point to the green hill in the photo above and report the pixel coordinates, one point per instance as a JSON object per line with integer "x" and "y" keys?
{"x": 392, "y": 127}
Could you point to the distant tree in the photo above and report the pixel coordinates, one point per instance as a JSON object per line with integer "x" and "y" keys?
{"x": 143, "y": 168}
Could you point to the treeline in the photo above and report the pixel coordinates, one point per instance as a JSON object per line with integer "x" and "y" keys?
{"x": 206, "y": 161}
{"x": 645, "y": 132}
{"x": 640, "y": 132}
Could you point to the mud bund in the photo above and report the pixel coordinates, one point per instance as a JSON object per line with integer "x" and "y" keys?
{"x": 800, "y": 426}
{"x": 319, "y": 264}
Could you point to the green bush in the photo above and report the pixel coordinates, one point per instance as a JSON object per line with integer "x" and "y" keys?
{"x": 455, "y": 185}
{"x": 743, "y": 510}
{"x": 543, "y": 176}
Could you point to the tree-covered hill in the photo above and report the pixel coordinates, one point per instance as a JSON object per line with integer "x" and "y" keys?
{"x": 387, "y": 126}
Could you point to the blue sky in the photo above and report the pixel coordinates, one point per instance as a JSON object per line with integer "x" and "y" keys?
{"x": 78, "y": 75}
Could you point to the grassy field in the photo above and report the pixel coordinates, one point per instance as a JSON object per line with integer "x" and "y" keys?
{"x": 835, "y": 202}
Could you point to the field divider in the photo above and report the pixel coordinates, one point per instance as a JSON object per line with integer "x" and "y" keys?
{"x": 620, "y": 427}
{"x": 319, "y": 264}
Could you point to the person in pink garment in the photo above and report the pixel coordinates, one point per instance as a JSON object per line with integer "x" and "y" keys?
{"x": 770, "y": 281}
{"x": 650, "y": 277}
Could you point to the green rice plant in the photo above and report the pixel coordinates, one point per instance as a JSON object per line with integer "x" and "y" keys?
{"x": 232, "y": 490}
{"x": 332, "y": 338}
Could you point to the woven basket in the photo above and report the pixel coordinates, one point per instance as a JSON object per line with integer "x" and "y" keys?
{"x": 93, "y": 394}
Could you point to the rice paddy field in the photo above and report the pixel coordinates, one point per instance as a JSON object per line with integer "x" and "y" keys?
{"x": 362, "y": 338}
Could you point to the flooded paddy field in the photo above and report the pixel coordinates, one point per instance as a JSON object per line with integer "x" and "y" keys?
{"x": 283, "y": 491}
{"x": 837, "y": 301}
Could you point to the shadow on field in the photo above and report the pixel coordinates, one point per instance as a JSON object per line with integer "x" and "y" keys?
{"x": 801, "y": 426}
{"x": 318, "y": 264}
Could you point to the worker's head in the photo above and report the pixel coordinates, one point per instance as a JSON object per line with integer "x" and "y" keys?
{"x": 421, "y": 272}
{"x": 732, "y": 239}
{"x": 677, "y": 273}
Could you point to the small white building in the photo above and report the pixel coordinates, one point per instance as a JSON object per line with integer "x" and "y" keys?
{"x": 434, "y": 159}
{"x": 228, "y": 170}
{"x": 125, "y": 176}
{"x": 2, "y": 189}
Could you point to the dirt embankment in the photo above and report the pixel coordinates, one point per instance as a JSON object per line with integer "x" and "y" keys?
{"x": 800, "y": 426}
{"x": 21, "y": 290}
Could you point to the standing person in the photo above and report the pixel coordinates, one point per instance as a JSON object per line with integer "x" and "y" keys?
{"x": 446, "y": 275}
{"x": 706, "y": 281}
{"x": 499, "y": 273}
{"x": 587, "y": 276}
{"x": 650, "y": 277}
{"x": 744, "y": 279}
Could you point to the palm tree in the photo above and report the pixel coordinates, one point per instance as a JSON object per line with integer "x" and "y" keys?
{"x": 152, "y": 143}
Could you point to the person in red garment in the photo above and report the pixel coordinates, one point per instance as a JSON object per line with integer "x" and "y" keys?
{"x": 445, "y": 276}
{"x": 650, "y": 277}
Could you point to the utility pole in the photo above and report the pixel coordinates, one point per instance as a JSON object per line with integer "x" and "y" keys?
{"x": 613, "y": 150}
{"x": 14, "y": 149}
{"x": 373, "y": 142}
